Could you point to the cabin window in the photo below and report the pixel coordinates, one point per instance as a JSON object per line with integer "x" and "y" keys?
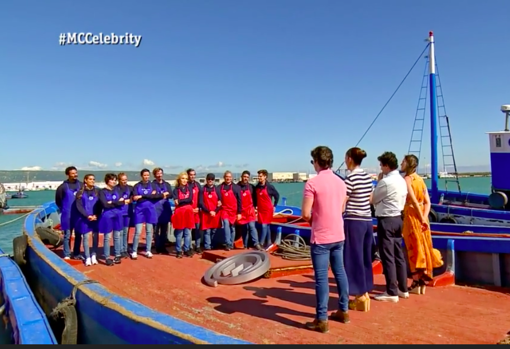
{"x": 498, "y": 142}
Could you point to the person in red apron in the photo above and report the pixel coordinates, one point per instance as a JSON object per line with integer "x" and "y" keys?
{"x": 183, "y": 219}
{"x": 230, "y": 208}
{"x": 248, "y": 216}
{"x": 195, "y": 187}
{"x": 209, "y": 203}
{"x": 266, "y": 198}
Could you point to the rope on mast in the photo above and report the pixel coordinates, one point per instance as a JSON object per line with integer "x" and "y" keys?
{"x": 387, "y": 102}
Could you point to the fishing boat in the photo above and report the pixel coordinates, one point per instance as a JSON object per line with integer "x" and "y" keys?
{"x": 24, "y": 320}
{"x": 166, "y": 300}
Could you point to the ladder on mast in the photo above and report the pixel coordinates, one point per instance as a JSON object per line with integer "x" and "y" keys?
{"x": 445, "y": 134}
{"x": 443, "y": 125}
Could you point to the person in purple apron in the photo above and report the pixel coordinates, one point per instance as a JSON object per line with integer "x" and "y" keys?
{"x": 111, "y": 219}
{"x": 163, "y": 210}
{"x": 126, "y": 192}
{"x": 144, "y": 194}
{"x": 86, "y": 222}
{"x": 65, "y": 201}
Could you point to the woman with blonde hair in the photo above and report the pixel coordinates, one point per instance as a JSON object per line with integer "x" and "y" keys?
{"x": 183, "y": 219}
{"x": 422, "y": 257}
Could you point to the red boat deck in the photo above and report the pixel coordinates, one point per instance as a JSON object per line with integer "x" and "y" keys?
{"x": 273, "y": 310}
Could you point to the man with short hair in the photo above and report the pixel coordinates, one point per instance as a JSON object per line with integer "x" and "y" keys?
{"x": 389, "y": 197}
{"x": 323, "y": 199}
{"x": 65, "y": 201}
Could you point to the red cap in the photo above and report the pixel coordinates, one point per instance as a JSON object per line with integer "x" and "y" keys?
{"x": 431, "y": 33}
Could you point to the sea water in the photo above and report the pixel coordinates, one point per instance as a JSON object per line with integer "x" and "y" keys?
{"x": 293, "y": 192}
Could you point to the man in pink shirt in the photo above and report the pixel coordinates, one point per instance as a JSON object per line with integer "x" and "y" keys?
{"x": 325, "y": 195}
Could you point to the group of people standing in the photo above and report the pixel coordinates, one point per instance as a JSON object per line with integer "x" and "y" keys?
{"x": 345, "y": 242}
{"x": 198, "y": 210}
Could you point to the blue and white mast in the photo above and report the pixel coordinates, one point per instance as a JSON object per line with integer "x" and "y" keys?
{"x": 434, "y": 189}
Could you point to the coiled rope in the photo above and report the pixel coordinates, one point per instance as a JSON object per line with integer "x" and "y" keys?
{"x": 293, "y": 248}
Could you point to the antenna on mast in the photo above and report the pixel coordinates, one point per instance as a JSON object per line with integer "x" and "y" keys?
{"x": 506, "y": 109}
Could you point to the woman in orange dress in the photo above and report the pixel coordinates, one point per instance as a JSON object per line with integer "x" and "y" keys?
{"x": 422, "y": 257}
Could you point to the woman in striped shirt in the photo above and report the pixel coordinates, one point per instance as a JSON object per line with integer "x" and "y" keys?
{"x": 358, "y": 231}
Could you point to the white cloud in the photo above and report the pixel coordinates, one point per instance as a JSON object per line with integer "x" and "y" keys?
{"x": 60, "y": 166}
{"x": 118, "y": 164}
{"x": 96, "y": 164}
{"x": 147, "y": 162}
{"x": 31, "y": 168}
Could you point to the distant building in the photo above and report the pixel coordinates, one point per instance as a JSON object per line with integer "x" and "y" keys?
{"x": 300, "y": 177}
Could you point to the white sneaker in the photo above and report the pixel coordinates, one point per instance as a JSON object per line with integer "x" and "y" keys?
{"x": 404, "y": 295}
{"x": 134, "y": 255}
{"x": 67, "y": 258}
{"x": 386, "y": 298}
{"x": 88, "y": 262}
{"x": 148, "y": 254}
{"x": 94, "y": 259}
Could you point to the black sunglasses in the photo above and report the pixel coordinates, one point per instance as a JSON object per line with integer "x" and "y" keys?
{"x": 311, "y": 161}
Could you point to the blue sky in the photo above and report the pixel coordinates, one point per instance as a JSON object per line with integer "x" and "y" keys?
{"x": 242, "y": 84}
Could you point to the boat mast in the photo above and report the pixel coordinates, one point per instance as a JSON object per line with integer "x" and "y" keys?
{"x": 434, "y": 190}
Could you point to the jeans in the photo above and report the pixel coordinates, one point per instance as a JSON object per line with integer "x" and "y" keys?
{"x": 252, "y": 232}
{"x": 124, "y": 240}
{"x": 322, "y": 256}
{"x": 95, "y": 243}
{"x": 86, "y": 247}
{"x": 77, "y": 244}
{"x": 208, "y": 238}
{"x": 148, "y": 236}
{"x": 160, "y": 232}
{"x": 198, "y": 235}
{"x": 265, "y": 236}
{"x": 117, "y": 243}
{"x": 187, "y": 240}
{"x": 230, "y": 233}
{"x": 67, "y": 243}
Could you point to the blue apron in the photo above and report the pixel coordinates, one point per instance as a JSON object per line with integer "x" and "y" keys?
{"x": 163, "y": 208}
{"x": 69, "y": 214}
{"x": 83, "y": 225}
{"x": 111, "y": 218}
{"x": 144, "y": 212}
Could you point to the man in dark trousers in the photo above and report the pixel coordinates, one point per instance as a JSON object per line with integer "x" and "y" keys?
{"x": 389, "y": 198}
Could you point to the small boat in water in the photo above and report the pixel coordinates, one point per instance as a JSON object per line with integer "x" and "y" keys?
{"x": 19, "y": 195}
{"x": 25, "y": 321}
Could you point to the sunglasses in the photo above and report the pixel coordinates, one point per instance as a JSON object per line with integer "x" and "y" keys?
{"x": 311, "y": 161}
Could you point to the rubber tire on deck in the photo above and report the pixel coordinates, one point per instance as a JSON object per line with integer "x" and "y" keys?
{"x": 19, "y": 247}
{"x": 49, "y": 236}
{"x": 432, "y": 216}
{"x": 70, "y": 332}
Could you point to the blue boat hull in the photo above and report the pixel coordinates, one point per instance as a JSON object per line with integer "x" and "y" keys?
{"x": 103, "y": 316}
{"x": 26, "y": 320}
